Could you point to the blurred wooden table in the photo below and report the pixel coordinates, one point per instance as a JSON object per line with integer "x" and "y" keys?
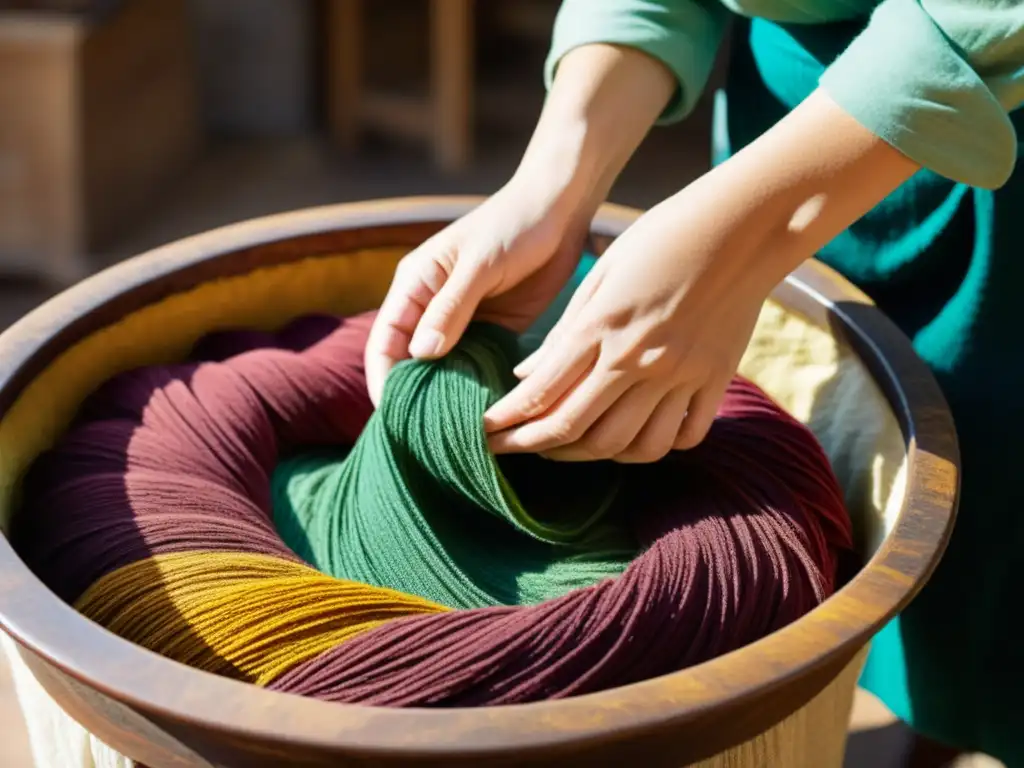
{"x": 444, "y": 118}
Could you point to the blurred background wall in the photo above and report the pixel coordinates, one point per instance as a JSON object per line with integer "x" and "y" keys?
{"x": 125, "y": 123}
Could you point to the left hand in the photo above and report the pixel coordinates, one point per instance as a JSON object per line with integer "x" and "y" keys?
{"x": 642, "y": 357}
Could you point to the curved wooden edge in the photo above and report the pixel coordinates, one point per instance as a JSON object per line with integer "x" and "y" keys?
{"x": 757, "y": 686}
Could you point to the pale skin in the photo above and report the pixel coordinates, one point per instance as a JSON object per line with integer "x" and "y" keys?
{"x": 641, "y": 359}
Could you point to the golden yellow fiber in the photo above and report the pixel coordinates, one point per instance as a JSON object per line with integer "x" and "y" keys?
{"x": 797, "y": 363}
{"x": 251, "y": 617}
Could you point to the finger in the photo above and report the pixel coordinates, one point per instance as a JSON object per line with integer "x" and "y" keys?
{"x": 536, "y": 395}
{"x": 388, "y": 343}
{"x": 617, "y": 428}
{"x": 580, "y": 297}
{"x": 569, "y": 420}
{"x": 450, "y": 310}
{"x": 587, "y": 287}
{"x": 656, "y": 438}
{"x": 528, "y": 364}
{"x": 701, "y": 414}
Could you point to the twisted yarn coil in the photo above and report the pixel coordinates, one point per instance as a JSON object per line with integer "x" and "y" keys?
{"x": 248, "y": 513}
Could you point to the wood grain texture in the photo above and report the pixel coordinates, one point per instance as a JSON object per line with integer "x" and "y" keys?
{"x": 99, "y": 113}
{"x": 443, "y": 117}
{"x": 452, "y": 82}
{"x": 40, "y": 203}
{"x": 344, "y": 76}
{"x": 167, "y": 715}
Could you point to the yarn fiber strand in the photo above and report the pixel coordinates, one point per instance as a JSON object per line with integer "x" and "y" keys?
{"x": 248, "y": 513}
{"x": 420, "y": 504}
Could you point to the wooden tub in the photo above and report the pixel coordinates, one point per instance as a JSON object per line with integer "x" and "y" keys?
{"x": 821, "y": 349}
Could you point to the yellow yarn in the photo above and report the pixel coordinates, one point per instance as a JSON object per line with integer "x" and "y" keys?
{"x": 796, "y": 368}
{"x": 251, "y": 617}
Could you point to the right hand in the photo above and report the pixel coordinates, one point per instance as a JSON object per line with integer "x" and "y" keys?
{"x": 503, "y": 262}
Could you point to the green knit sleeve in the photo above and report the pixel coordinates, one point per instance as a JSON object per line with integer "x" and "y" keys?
{"x": 937, "y": 79}
{"x": 682, "y": 34}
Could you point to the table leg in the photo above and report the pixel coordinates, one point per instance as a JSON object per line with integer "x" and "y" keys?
{"x": 452, "y": 45}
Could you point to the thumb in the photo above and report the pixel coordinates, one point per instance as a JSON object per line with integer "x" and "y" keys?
{"x": 449, "y": 312}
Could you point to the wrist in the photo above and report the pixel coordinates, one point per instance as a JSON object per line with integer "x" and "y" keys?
{"x": 603, "y": 100}
{"x": 789, "y": 193}
{"x": 563, "y": 172}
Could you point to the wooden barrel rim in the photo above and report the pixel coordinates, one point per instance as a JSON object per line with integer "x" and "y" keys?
{"x": 744, "y": 692}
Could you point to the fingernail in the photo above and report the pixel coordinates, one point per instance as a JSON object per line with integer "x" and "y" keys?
{"x": 426, "y": 343}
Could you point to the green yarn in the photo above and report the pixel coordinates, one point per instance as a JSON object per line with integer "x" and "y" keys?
{"x": 420, "y": 504}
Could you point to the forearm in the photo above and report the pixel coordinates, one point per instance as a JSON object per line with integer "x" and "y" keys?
{"x": 602, "y": 103}
{"x": 803, "y": 182}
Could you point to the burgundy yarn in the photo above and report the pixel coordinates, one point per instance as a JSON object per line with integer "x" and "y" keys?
{"x": 736, "y": 566}
{"x": 164, "y": 459}
{"x": 744, "y": 539}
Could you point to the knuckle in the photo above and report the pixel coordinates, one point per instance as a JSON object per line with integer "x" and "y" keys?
{"x": 642, "y": 359}
{"x": 646, "y": 454}
{"x": 645, "y": 450}
{"x": 690, "y": 436}
{"x": 431, "y": 263}
{"x": 591, "y": 325}
{"x": 407, "y": 268}
{"x": 605, "y": 446}
{"x": 654, "y": 359}
{"x": 684, "y": 441}
{"x": 535, "y": 405}
{"x": 443, "y": 306}
{"x": 433, "y": 275}
{"x": 561, "y": 432}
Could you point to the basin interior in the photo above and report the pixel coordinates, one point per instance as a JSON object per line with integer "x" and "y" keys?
{"x": 808, "y": 368}
{"x": 812, "y": 373}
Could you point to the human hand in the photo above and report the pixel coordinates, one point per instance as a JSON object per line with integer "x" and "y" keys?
{"x": 503, "y": 262}
{"x": 645, "y": 351}
{"x": 507, "y": 260}
{"x": 642, "y": 356}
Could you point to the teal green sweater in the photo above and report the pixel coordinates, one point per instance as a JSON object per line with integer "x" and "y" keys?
{"x": 934, "y": 78}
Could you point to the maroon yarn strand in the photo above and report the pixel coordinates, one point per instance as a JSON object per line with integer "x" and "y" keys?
{"x": 739, "y": 536}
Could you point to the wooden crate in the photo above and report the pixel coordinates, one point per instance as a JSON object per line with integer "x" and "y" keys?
{"x": 97, "y": 117}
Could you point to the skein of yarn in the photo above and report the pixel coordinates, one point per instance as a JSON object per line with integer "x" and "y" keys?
{"x": 248, "y": 513}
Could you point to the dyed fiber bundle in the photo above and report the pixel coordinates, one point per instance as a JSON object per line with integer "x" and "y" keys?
{"x": 249, "y": 514}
